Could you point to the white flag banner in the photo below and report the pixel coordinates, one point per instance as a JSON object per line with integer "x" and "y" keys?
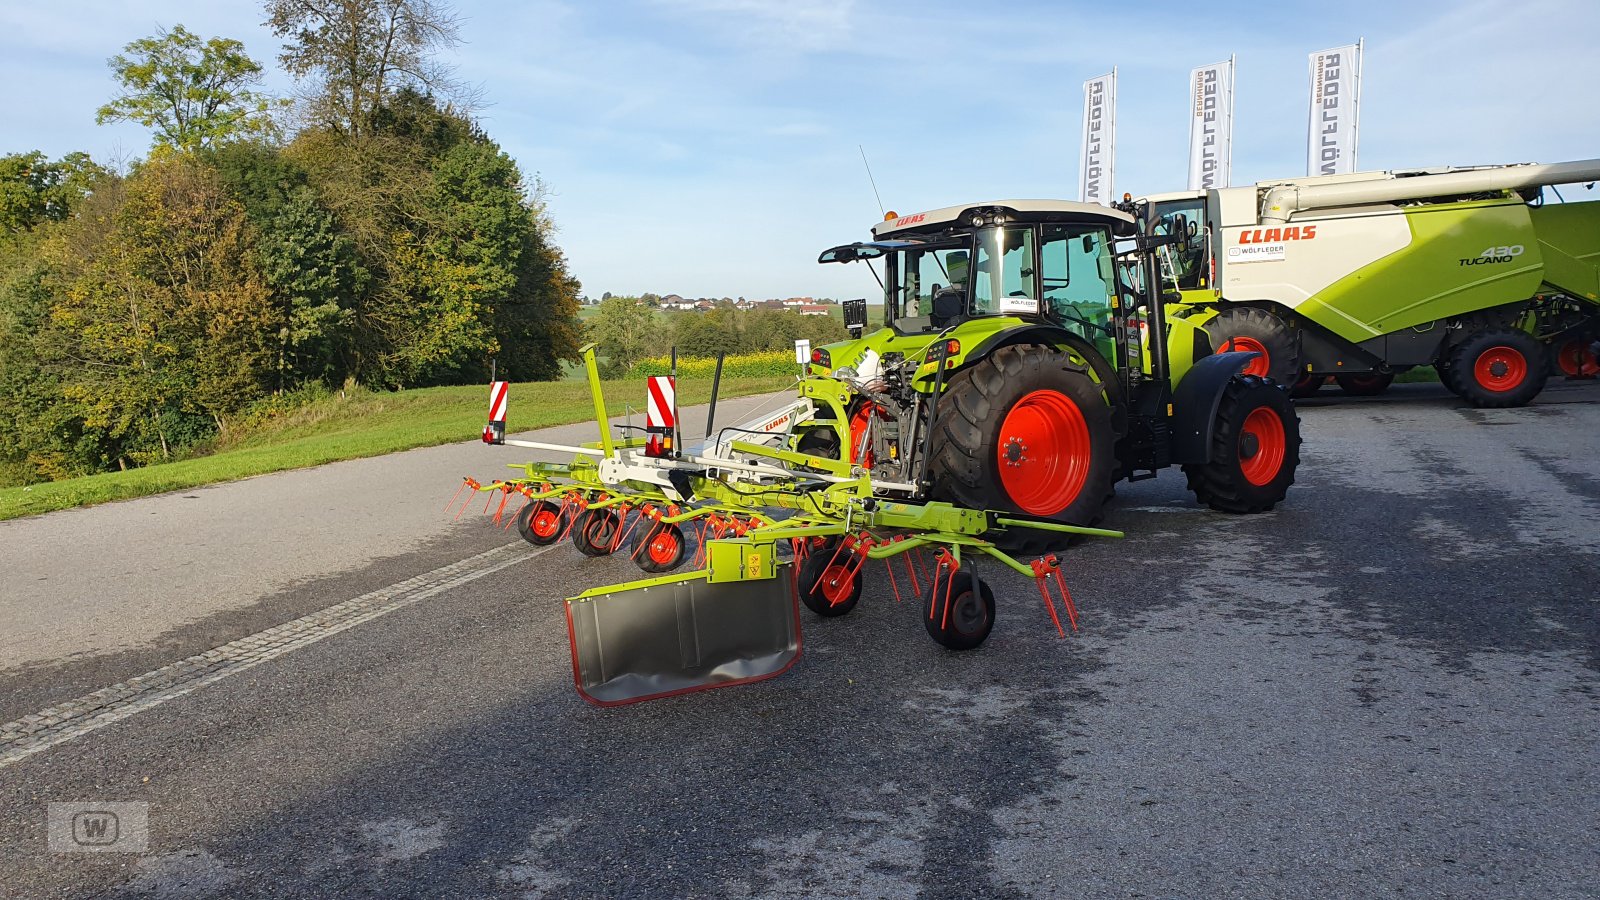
{"x": 1097, "y": 164}
{"x": 1335, "y": 122}
{"x": 1211, "y": 126}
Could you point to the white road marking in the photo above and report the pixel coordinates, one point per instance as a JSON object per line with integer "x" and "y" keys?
{"x": 75, "y": 718}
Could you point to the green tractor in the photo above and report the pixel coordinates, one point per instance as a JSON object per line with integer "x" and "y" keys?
{"x": 1024, "y": 365}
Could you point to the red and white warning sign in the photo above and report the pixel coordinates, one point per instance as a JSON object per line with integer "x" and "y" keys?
{"x": 662, "y": 401}
{"x": 495, "y": 431}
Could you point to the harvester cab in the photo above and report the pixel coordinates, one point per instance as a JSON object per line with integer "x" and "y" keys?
{"x": 1022, "y": 367}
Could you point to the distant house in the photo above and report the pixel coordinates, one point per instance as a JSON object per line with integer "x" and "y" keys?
{"x": 704, "y": 305}
{"x": 813, "y": 309}
{"x": 772, "y": 304}
{"x": 796, "y": 302}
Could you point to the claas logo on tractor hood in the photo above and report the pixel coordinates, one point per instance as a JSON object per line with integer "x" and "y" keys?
{"x": 1275, "y": 235}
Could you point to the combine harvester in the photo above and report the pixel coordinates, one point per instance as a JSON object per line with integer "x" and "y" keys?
{"x": 1013, "y": 382}
{"x": 1359, "y": 277}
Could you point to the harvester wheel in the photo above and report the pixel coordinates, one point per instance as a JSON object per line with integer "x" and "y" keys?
{"x": 954, "y": 614}
{"x": 1577, "y": 359}
{"x": 1255, "y": 448}
{"x": 1025, "y": 429}
{"x": 1498, "y": 367}
{"x": 1308, "y": 385}
{"x": 660, "y": 548}
{"x": 1367, "y": 384}
{"x": 540, "y": 523}
{"x": 828, "y": 585}
{"x": 1258, "y": 331}
{"x": 596, "y": 531}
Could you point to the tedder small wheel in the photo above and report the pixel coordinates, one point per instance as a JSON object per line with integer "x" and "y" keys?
{"x": 1255, "y": 448}
{"x": 1499, "y": 367}
{"x": 596, "y": 531}
{"x": 954, "y": 614}
{"x": 1308, "y": 385}
{"x": 827, "y": 586}
{"x": 539, "y": 523}
{"x": 1258, "y": 331}
{"x": 659, "y": 548}
{"x": 1366, "y": 384}
{"x": 1026, "y": 429}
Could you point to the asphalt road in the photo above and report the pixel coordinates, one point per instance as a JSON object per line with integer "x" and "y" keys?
{"x": 1386, "y": 686}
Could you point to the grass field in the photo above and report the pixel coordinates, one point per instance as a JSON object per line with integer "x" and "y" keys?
{"x": 362, "y": 424}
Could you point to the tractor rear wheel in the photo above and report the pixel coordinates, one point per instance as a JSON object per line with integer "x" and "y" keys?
{"x": 1308, "y": 385}
{"x": 539, "y": 523}
{"x": 1258, "y": 331}
{"x": 1498, "y": 367}
{"x": 1025, "y": 430}
{"x": 1255, "y": 448}
{"x": 595, "y": 534}
{"x": 1367, "y": 384}
{"x": 955, "y": 615}
{"x": 828, "y": 587}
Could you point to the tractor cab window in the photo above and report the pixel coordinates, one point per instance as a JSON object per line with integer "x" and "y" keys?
{"x": 1002, "y": 283}
{"x": 921, "y": 273}
{"x": 1079, "y": 279}
{"x": 1183, "y": 267}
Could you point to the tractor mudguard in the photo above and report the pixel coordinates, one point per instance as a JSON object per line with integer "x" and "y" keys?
{"x": 681, "y": 633}
{"x": 1195, "y": 403}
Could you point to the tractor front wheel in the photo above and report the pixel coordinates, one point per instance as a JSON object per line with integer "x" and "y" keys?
{"x": 958, "y": 610}
{"x": 828, "y": 586}
{"x": 1367, "y": 384}
{"x": 1498, "y": 367}
{"x": 1245, "y": 328}
{"x": 1025, "y": 430}
{"x": 1255, "y": 448}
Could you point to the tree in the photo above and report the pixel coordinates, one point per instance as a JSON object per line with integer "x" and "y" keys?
{"x": 34, "y": 190}
{"x": 192, "y": 92}
{"x": 358, "y": 53}
{"x": 626, "y": 330}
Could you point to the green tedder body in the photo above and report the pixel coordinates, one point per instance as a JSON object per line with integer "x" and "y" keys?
{"x": 1020, "y": 370}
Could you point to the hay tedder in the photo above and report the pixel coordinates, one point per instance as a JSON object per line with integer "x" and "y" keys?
{"x": 1020, "y": 372}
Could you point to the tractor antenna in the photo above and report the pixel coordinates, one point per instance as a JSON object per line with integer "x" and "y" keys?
{"x": 870, "y": 179}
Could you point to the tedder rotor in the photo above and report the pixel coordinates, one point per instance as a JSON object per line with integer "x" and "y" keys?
{"x": 1023, "y": 368}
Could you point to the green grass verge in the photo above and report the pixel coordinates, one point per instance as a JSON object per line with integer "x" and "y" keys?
{"x": 363, "y": 424}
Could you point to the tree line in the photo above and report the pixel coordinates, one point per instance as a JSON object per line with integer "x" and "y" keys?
{"x": 384, "y": 239}
{"x": 629, "y": 329}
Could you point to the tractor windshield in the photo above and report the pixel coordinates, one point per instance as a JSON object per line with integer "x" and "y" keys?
{"x": 920, "y": 272}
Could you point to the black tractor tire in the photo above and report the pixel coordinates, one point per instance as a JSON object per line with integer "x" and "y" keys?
{"x": 596, "y": 531}
{"x": 540, "y": 523}
{"x": 1308, "y": 385}
{"x": 1255, "y": 449}
{"x": 1498, "y": 368}
{"x": 993, "y": 409}
{"x": 1366, "y": 384}
{"x": 822, "y": 581}
{"x": 659, "y": 547}
{"x": 1248, "y": 328}
{"x": 956, "y": 616}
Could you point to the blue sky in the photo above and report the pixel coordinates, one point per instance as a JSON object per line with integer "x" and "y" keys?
{"x": 709, "y": 147}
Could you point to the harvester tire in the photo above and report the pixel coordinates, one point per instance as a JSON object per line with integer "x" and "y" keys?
{"x": 1367, "y": 384}
{"x": 596, "y": 532}
{"x": 540, "y": 523}
{"x": 1498, "y": 367}
{"x": 1255, "y": 448}
{"x": 955, "y": 615}
{"x": 1258, "y": 331}
{"x": 1025, "y": 430}
{"x": 658, "y": 548}
{"x": 829, "y": 586}
{"x": 1308, "y": 385}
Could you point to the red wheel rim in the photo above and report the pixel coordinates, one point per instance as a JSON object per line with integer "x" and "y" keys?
{"x": 663, "y": 548}
{"x": 1261, "y": 446}
{"x": 545, "y": 522}
{"x": 1500, "y": 369}
{"x": 1044, "y": 453}
{"x": 1576, "y": 359}
{"x": 835, "y": 584}
{"x": 1261, "y": 365}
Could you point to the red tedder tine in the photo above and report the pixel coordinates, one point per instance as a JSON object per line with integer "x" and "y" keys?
{"x": 465, "y": 483}
{"x": 1043, "y": 569}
